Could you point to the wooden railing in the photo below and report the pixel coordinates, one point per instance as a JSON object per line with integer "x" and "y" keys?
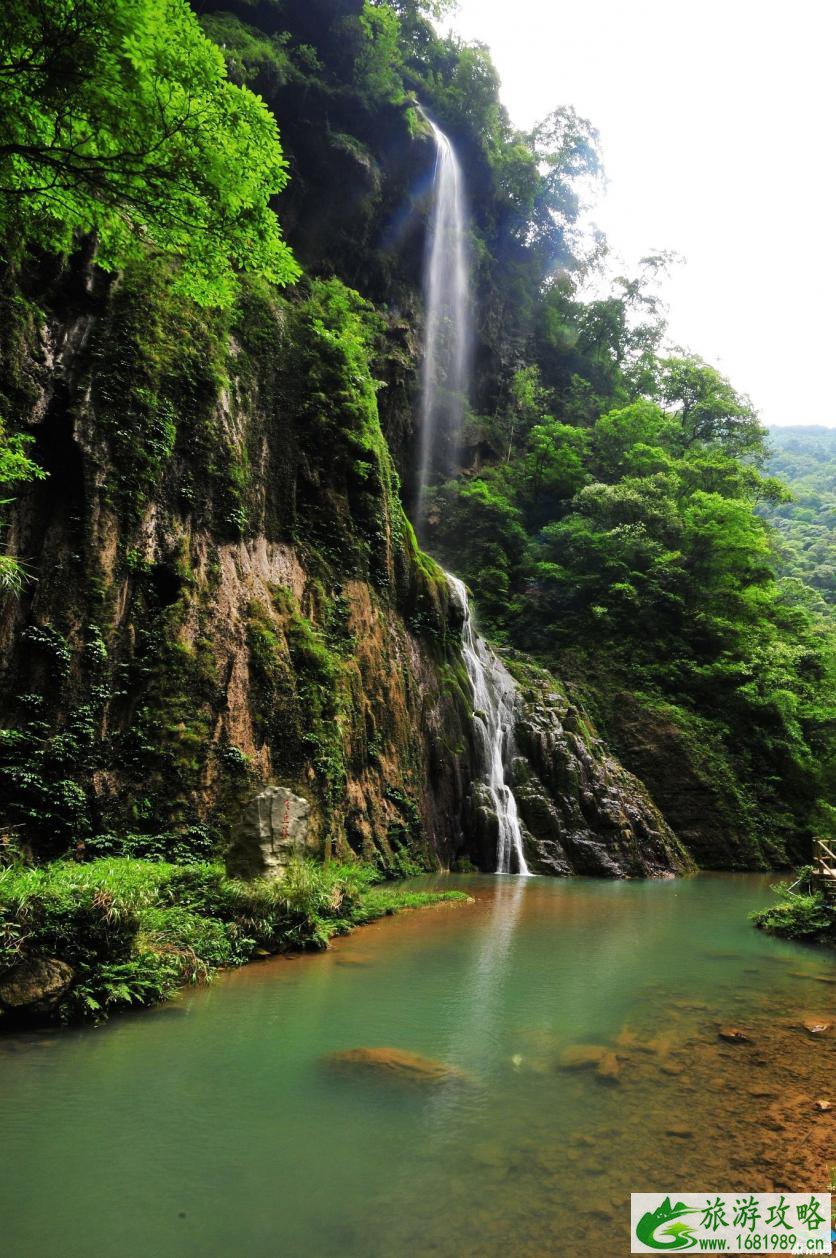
{"x": 824, "y": 868}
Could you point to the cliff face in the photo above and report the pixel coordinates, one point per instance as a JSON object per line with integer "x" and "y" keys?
{"x": 225, "y": 589}
{"x": 228, "y": 598}
{"x": 678, "y": 758}
{"x": 584, "y": 811}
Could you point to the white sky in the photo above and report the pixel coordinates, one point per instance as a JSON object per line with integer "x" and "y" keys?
{"x": 717, "y": 122}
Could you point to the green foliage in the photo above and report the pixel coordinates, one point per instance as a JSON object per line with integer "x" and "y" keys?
{"x": 799, "y": 915}
{"x": 135, "y": 930}
{"x": 119, "y": 120}
{"x": 405, "y": 838}
{"x": 46, "y": 757}
{"x": 15, "y": 468}
{"x": 805, "y": 520}
{"x": 188, "y": 846}
{"x": 250, "y": 55}
{"x": 334, "y": 333}
{"x": 158, "y": 366}
{"x": 372, "y": 37}
{"x": 15, "y": 465}
{"x": 164, "y": 749}
{"x": 707, "y": 407}
{"x": 633, "y": 541}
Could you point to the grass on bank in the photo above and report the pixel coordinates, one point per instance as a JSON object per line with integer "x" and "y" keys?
{"x": 799, "y": 914}
{"x": 136, "y": 930}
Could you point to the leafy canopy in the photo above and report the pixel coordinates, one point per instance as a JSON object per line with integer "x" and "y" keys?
{"x": 118, "y": 119}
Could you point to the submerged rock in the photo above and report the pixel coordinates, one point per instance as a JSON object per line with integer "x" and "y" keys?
{"x": 582, "y": 1056}
{"x": 595, "y": 1057}
{"x": 35, "y": 985}
{"x": 396, "y": 1064}
{"x": 734, "y": 1035}
{"x": 608, "y": 1068}
{"x": 815, "y": 1028}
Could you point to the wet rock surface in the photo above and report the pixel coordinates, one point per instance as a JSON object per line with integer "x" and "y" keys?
{"x": 584, "y": 813}
{"x": 734, "y": 1035}
{"x": 815, "y": 1027}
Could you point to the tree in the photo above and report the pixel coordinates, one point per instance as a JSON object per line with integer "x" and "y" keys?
{"x": 118, "y": 119}
{"x": 566, "y": 145}
{"x": 709, "y": 409}
{"x": 436, "y": 9}
{"x": 632, "y": 439}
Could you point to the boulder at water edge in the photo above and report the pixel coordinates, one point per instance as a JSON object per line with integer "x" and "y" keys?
{"x": 35, "y": 985}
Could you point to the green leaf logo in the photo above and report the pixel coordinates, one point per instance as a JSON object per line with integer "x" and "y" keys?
{"x": 651, "y": 1228}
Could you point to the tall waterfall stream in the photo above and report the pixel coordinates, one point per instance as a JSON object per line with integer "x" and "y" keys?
{"x": 445, "y": 367}
{"x": 444, "y": 389}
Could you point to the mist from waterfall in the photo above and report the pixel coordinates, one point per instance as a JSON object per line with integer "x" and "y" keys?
{"x": 494, "y": 700}
{"x": 446, "y": 364}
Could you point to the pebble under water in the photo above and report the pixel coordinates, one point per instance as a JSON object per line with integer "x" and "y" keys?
{"x": 219, "y": 1126}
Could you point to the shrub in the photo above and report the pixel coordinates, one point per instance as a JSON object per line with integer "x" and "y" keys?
{"x": 798, "y": 915}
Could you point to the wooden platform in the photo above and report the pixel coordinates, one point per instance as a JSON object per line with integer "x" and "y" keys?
{"x": 824, "y": 869}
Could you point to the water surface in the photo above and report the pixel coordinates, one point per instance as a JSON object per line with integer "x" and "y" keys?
{"x": 214, "y": 1127}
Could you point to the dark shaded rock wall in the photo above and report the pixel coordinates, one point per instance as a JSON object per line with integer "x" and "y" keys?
{"x": 584, "y": 812}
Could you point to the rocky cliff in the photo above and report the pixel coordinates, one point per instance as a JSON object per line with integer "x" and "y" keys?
{"x": 230, "y": 640}
{"x": 581, "y": 811}
{"x": 225, "y": 591}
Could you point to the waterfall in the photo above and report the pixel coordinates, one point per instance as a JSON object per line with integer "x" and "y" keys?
{"x": 494, "y": 695}
{"x": 445, "y": 367}
{"x": 444, "y": 388}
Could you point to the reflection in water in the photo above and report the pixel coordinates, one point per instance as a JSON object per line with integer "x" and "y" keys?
{"x": 482, "y": 993}
{"x": 476, "y": 1006}
{"x": 219, "y": 1130}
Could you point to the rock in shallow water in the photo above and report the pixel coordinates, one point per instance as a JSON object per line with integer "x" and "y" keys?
{"x": 734, "y": 1035}
{"x": 395, "y": 1064}
{"x": 595, "y": 1057}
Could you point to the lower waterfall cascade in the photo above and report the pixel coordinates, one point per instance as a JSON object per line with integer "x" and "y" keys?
{"x": 494, "y": 697}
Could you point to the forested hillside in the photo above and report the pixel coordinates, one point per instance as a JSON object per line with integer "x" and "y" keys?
{"x": 211, "y": 580}
{"x": 804, "y": 458}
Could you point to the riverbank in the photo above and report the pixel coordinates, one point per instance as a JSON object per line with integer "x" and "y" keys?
{"x": 80, "y": 941}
